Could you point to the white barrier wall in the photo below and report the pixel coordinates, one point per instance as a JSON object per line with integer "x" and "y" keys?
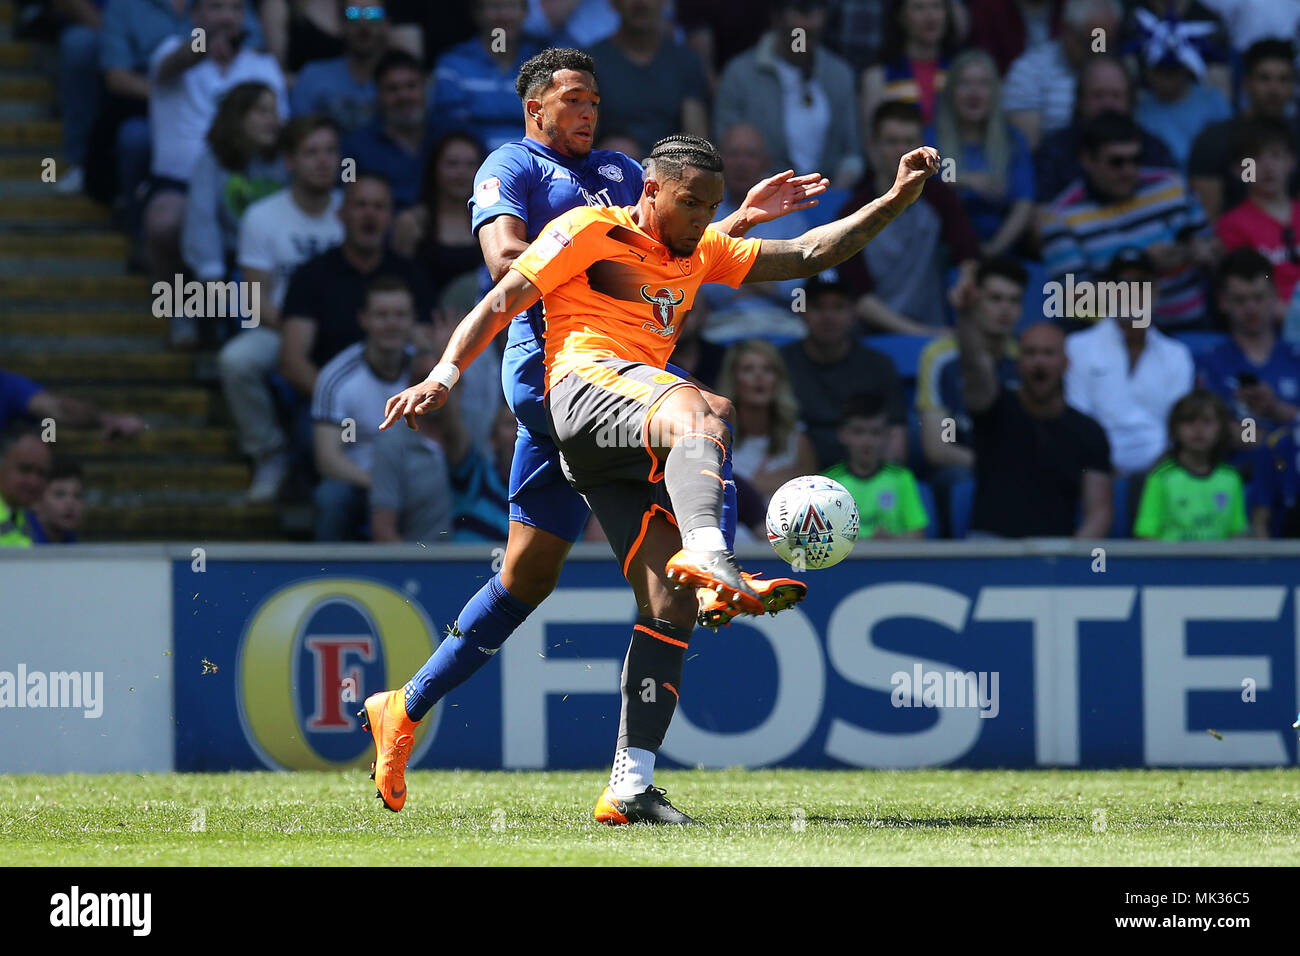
{"x": 106, "y": 620}
{"x": 967, "y": 654}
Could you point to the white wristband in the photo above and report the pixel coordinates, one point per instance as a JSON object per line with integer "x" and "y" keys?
{"x": 445, "y": 373}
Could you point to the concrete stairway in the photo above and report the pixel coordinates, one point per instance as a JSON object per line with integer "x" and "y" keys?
{"x": 72, "y": 319}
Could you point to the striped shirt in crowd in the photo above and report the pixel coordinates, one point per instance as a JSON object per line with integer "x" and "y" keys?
{"x": 1041, "y": 81}
{"x": 1082, "y": 233}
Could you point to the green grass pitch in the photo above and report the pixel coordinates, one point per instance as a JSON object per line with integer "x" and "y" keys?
{"x": 767, "y": 817}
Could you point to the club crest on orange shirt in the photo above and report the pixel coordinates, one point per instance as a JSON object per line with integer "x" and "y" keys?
{"x": 665, "y": 302}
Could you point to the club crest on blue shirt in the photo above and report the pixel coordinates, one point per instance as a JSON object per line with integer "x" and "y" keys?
{"x": 611, "y": 172}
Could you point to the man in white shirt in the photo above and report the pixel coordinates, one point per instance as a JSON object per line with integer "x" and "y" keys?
{"x": 1128, "y": 377}
{"x": 276, "y": 235}
{"x": 188, "y": 75}
{"x": 349, "y": 402}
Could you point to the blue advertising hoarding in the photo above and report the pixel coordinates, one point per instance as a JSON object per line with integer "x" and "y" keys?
{"x": 930, "y": 659}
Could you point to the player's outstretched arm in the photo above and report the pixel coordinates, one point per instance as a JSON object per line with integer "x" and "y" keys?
{"x": 512, "y": 295}
{"x": 829, "y": 245}
{"x": 773, "y": 198}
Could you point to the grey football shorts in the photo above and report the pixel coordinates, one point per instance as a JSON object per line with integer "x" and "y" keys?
{"x": 599, "y": 415}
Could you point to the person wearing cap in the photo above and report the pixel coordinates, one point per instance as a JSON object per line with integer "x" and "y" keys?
{"x": 829, "y": 366}
{"x": 1176, "y": 102}
{"x": 1126, "y": 374}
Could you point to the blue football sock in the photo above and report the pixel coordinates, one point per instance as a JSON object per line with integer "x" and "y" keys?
{"x": 485, "y": 622}
{"x": 729, "y": 495}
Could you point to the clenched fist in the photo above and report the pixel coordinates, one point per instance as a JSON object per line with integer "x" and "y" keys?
{"x": 914, "y": 169}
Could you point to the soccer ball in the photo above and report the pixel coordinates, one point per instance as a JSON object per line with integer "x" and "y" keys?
{"x": 812, "y": 522}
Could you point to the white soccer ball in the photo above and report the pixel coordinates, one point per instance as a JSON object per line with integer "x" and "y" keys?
{"x": 812, "y": 522}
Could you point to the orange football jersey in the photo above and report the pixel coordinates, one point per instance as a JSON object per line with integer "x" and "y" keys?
{"x": 612, "y": 291}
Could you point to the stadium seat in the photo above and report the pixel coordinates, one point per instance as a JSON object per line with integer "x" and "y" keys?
{"x": 904, "y": 350}
{"x": 927, "y": 500}
{"x": 780, "y": 341}
{"x": 1119, "y": 526}
{"x": 961, "y": 498}
{"x": 1034, "y": 294}
{"x": 1201, "y": 343}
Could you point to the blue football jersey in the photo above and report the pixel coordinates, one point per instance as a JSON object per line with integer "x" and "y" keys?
{"x": 1219, "y": 370}
{"x": 536, "y": 184}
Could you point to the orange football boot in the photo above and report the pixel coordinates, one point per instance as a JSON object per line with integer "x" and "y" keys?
{"x": 778, "y": 594}
{"x": 607, "y": 810}
{"x": 648, "y": 807}
{"x": 718, "y": 572}
{"x": 394, "y": 733}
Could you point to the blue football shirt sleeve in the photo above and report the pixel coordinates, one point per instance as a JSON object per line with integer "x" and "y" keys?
{"x": 16, "y": 392}
{"x": 501, "y": 187}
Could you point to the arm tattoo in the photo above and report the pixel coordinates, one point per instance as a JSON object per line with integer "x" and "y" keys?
{"x": 826, "y": 246}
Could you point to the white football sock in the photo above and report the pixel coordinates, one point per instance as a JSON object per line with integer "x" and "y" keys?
{"x": 634, "y": 771}
{"x": 704, "y": 539}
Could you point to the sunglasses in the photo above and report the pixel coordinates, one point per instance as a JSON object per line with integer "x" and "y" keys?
{"x": 1119, "y": 162}
{"x": 364, "y": 13}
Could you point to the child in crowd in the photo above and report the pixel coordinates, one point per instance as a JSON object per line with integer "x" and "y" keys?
{"x": 887, "y": 495}
{"x": 1192, "y": 495}
{"x": 56, "y": 516}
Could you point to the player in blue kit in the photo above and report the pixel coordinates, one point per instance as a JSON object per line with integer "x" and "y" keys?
{"x": 521, "y": 187}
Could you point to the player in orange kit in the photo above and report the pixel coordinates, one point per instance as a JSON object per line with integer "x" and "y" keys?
{"x": 640, "y": 443}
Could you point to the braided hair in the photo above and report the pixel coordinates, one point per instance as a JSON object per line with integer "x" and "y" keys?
{"x": 672, "y": 153}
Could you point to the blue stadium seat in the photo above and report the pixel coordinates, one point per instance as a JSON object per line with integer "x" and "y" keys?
{"x": 904, "y": 350}
{"x": 780, "y": 341}
{"x": 1034, "y": 295}
{"x": 1119, "y": 526}
{"x": 1201, "y": 343}
{"x": 961, "y": 497}
{"x": 927, "y": 500}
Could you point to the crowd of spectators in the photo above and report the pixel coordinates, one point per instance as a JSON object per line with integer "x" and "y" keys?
{"x": 325, "y": 150}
